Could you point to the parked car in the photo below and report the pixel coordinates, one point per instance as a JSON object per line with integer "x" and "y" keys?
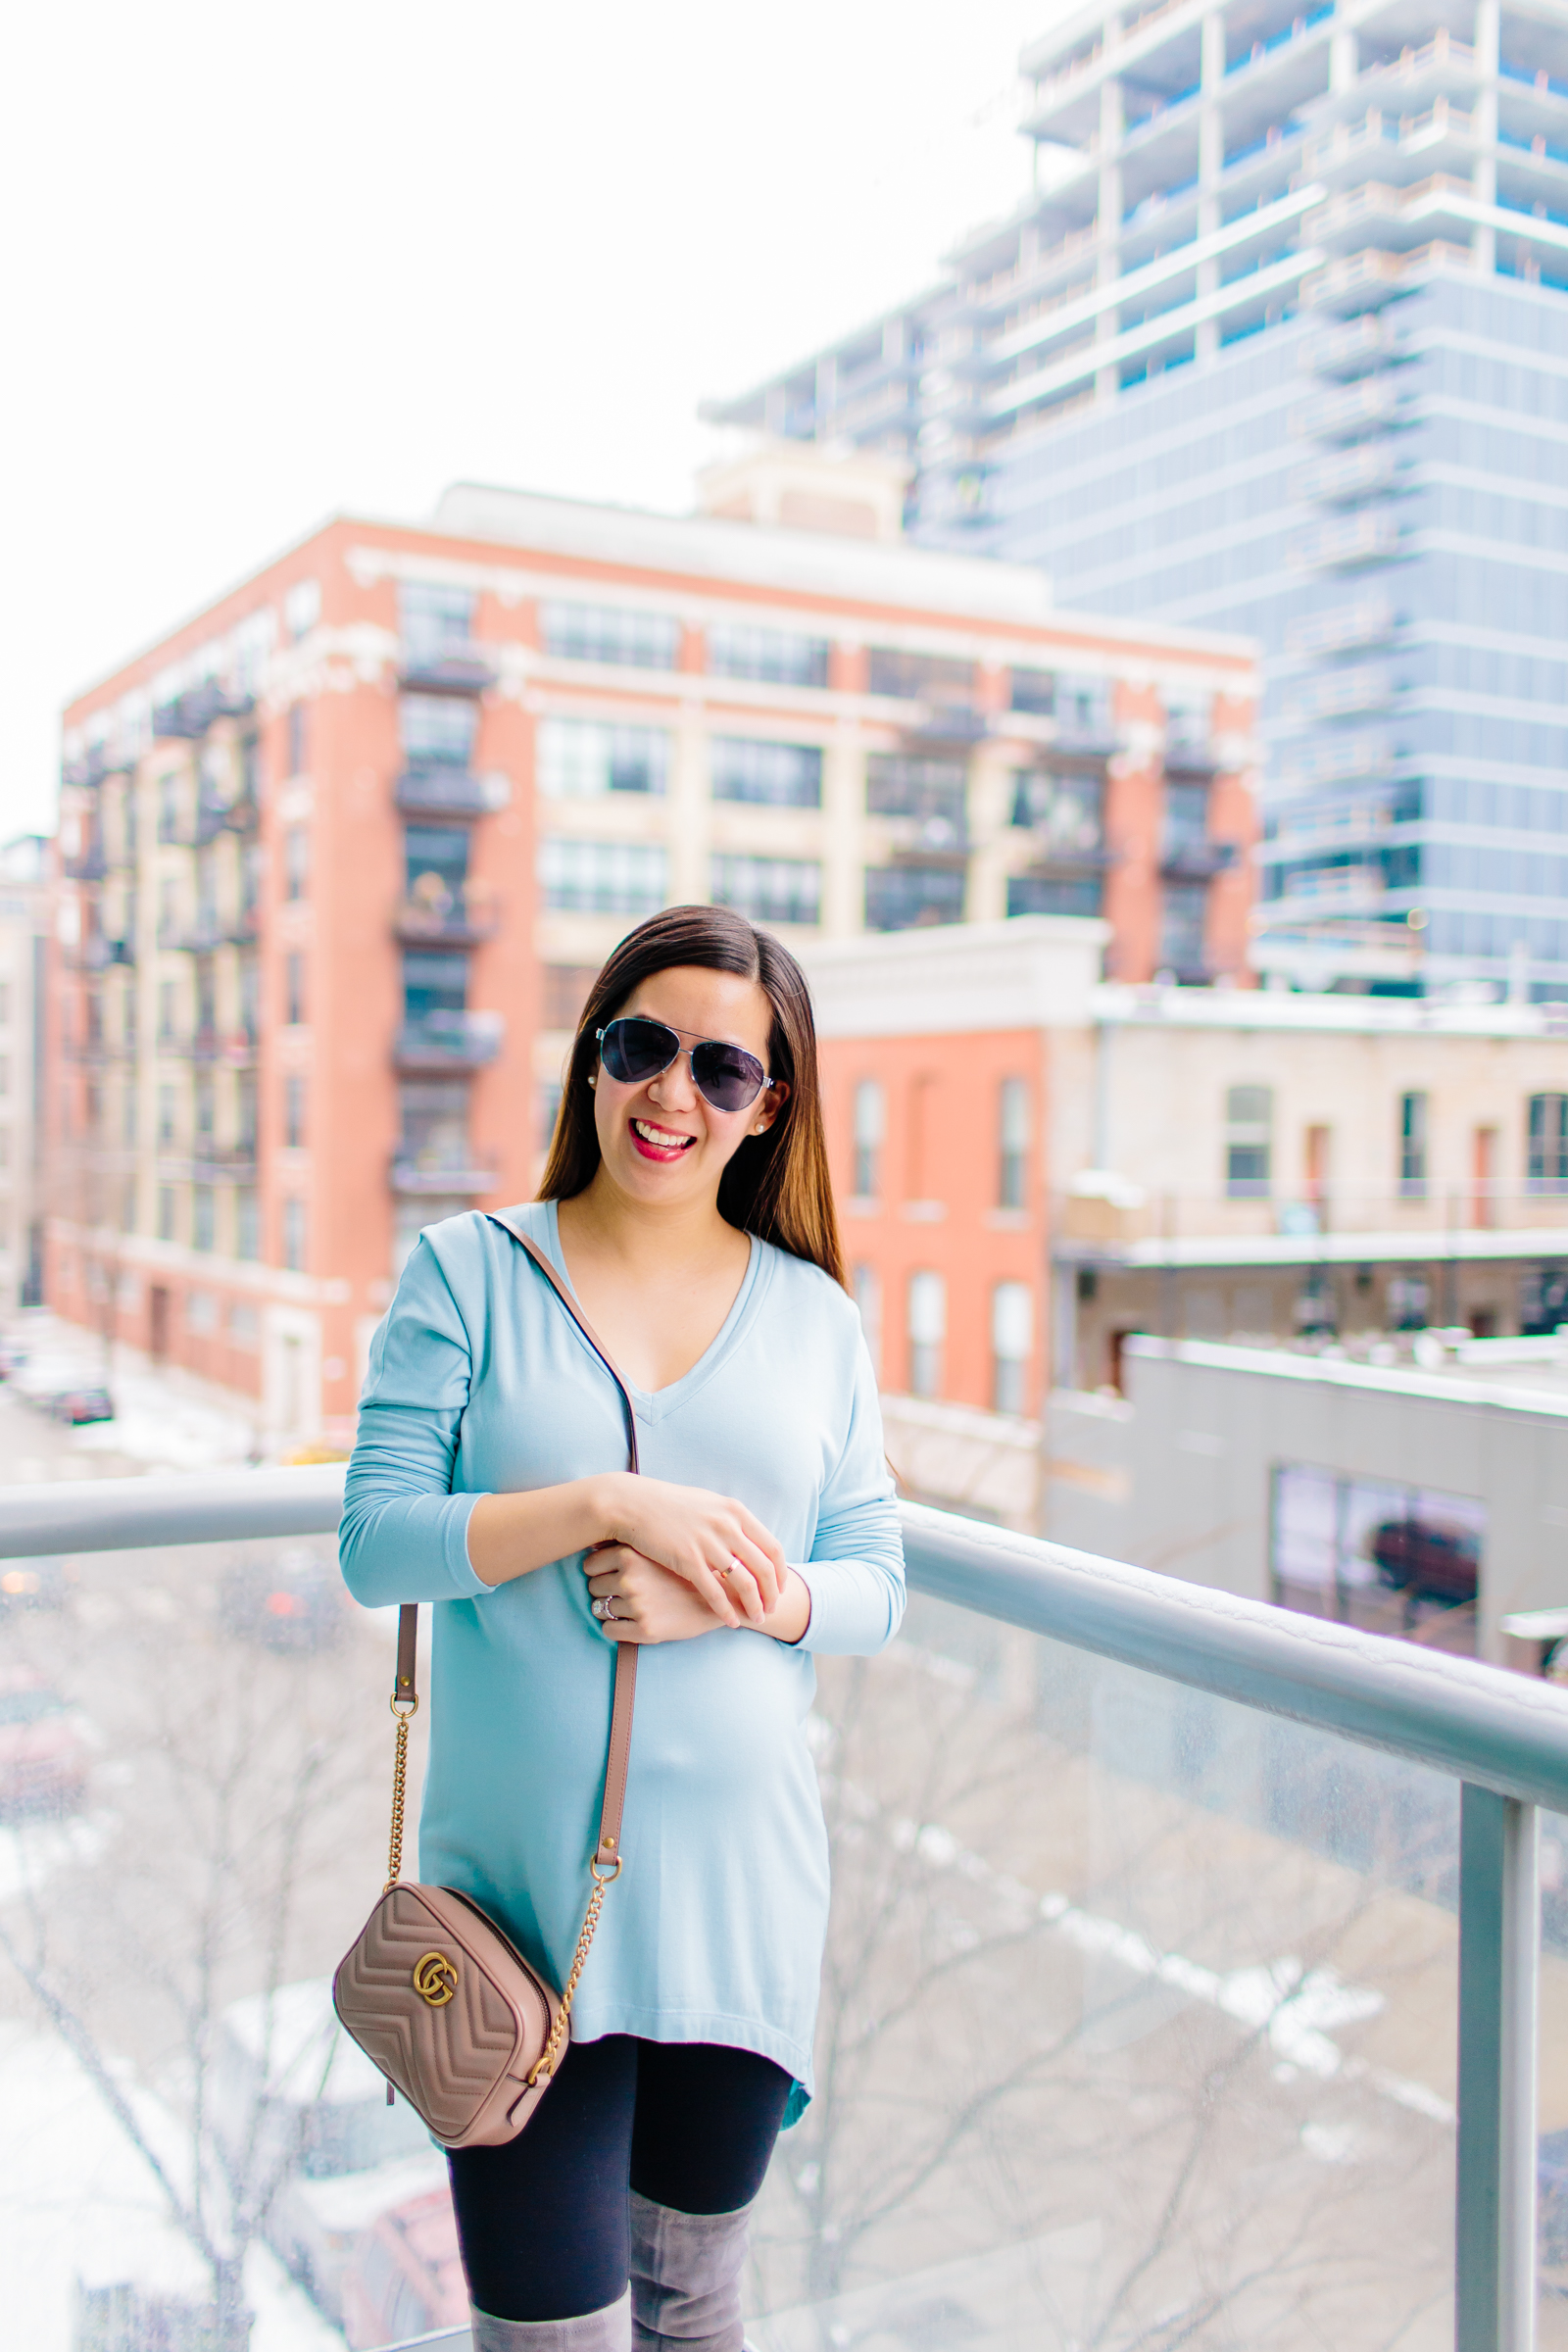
{"x": 407, "y": 2278}
{"x": 1428, "y": 1559}
{"x": 34, "y": 1585}
{"x": 43, "y": 1751}
{"x": 81, "y": 1401}
{"x": 287, "y": 1599}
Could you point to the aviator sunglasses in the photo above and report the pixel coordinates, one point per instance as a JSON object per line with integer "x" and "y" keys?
{"x": 634, "y": 1049}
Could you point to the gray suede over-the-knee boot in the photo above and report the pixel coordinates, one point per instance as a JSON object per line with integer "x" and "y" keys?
{"x": 606, "y": 2330}
{"x": 686, "y": 2279}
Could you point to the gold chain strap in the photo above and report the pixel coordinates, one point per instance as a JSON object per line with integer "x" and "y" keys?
{"x": 558, "y": 2031}
{"x": 405, "y": 1711}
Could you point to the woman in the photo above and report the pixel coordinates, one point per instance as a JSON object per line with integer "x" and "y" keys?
{"x": 687, "y": 1203}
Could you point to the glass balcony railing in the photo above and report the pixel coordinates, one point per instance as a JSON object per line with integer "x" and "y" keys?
{"x": 1188, "y": 1980}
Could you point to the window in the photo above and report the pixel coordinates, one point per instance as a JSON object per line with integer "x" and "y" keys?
{"x": 928, "y": 1330}
{"x": 1063, "y": 813}
{"x": 779, "y": 775}
{"x": 1249, "y": 1141}
{"x": 5, "y": 1003}
{"x": 434, "y": 620}
{"x": 1034, "y": 690}
{"x": 867, "y": 1286}
{"x": 1414, "y": 1145}
{"x": 247, "y": 1225}
{"x": 1015, "y": 1130}
{"x": 579, "y": 758}
{"x": 128, "y": 1113}
{"x": 166, "y": 1115}
{"x": 550, "y": 1094}
{"x": 933, "y": 790}
{"x": 870, "y": 1130}
{"x": 201, "y": 1312}
{"x": 166, "y": 1213}
{"x": 1186, "y": 816}
{"x": 203, "y": 1217}
{"x": 1183, "y": 918}
{"x": 168, "y": 807}
{"x": 770, "y": 890}
{"x": 899, "y": 898}
{"x": 437, "y": 730}
{"x": 433, "y": 982}
{"x": 299, "y": 749}
{"x": 911, "y": 678}
{"x": 1012, "y": 1340}
{"x": 244, "y": 1324}
{"x": 602, "y": 877}
{"x": 166, "y": 1008}
{"x": 245, "y": 1110}
{"x": 565, "y": 991}
{"x": 127, "y": 1205}
{"x": 296, "y": 863}
{"x": 1547, "y": 1143}
{"x": 435, "y": 877}
{"x": 433, "y": 1123}
{"x": 1083, "y": 709}
{"x": 293, "y": 1114}
{"x": 206, "y": 1104}
{"x": 599, "y": 633}
{"x": 294, "y": 1234}
{"x": 294, "y": 988}
{"x": 1054, "y": 894}
{"x": 774, "y": 656}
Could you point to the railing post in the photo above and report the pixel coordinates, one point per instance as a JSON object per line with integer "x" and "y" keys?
{"x": 1499, "y": 1966}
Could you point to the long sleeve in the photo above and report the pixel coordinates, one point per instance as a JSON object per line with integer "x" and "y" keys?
{"x": 404, "y": 1532}
{"x": 856, "y": 1571}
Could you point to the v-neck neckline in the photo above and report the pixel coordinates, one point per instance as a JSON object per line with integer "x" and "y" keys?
{"x": 660, "y": 1401}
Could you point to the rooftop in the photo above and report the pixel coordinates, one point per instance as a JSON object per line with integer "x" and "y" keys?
{"x": 1517, "y": 1375}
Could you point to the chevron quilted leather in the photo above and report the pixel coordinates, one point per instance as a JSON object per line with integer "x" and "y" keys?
{"x": 461, "y": 2064}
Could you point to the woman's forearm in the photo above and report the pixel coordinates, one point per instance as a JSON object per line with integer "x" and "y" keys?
{"x": 512, "y": 1534}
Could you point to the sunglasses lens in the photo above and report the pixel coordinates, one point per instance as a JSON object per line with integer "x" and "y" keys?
{"x": 729, "y": 1078}
{"x": 635, "y": 1051}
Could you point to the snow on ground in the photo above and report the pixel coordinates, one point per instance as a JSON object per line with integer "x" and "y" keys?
{"x": 165, "y": 1419}
{"x": 79, "y": 2200}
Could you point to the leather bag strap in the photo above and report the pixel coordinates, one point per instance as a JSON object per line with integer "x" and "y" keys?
{"x": 607, "y": 1850}
{"x": 405, "y": 1689}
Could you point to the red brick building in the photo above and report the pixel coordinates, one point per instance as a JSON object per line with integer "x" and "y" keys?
{"x": 340, "y": 855}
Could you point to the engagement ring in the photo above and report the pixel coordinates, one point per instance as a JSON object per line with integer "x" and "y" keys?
{"x": 602, "y": 1608}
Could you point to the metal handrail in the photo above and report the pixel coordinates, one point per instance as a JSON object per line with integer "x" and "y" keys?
{"x": 1503, "y": 1732}
{"x": 1504, "y": 1737}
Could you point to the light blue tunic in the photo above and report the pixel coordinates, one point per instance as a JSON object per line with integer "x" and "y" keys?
{"x": 480, "y": 1383}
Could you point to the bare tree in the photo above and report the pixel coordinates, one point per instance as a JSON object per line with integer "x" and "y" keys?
{"x": 244, "y": 1775}
{"x": 1058, "y": 1994}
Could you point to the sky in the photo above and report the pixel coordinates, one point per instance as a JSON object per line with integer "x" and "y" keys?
{"x": 260, "y": 265}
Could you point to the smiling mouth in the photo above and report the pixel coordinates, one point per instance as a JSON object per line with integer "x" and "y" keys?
{"x": 660, "y": 1143}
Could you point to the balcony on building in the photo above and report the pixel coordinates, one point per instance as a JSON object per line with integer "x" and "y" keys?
{"x": 88, "y": 864}
{"x": 1086, "y": 725}
{"x": 445, "y": 666}
{"x": 438, "y": 1175}
{"x": 450, "y": 915}
{"x": 191, "y": 716}
{"x": 437, "y": 790}
{"x": 1195, "y": 858}
{"x": 432, "y": 1042}
{"x": 1226, "y": 1933}
{"x": 223, "y": 1163}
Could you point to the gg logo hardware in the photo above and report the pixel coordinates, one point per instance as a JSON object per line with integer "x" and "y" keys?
{"x": 435, "y": 1979}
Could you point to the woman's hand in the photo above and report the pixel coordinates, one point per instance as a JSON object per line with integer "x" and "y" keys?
{"x": 644, "y": 1602}
{"x": 635, "y": 1599}
{"x": 713, "y": 1544}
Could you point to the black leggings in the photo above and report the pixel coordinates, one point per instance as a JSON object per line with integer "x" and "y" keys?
{"x": 545, "y": 2223}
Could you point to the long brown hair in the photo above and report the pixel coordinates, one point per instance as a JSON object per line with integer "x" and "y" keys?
{"x": 777, "y": 1186}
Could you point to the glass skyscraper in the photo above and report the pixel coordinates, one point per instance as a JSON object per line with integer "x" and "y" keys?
{"x": 1280, "y": 343}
